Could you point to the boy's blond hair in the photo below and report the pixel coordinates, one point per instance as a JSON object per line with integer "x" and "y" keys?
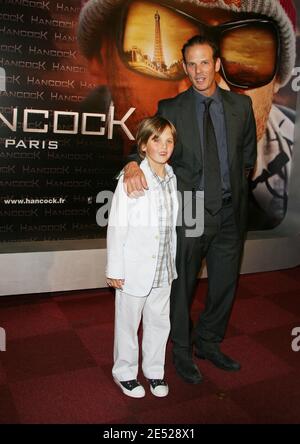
{"x": 152, "y": 126}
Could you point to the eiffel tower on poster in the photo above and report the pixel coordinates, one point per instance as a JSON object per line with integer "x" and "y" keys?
{"x": 158, "y": 50}
{"x": 154, "y": 64}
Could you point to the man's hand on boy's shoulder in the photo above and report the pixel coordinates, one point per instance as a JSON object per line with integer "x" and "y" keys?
{"x": 134, "y": 180}
{"x": 115, "y": 283}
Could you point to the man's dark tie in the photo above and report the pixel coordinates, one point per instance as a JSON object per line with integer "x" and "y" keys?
{"x": 212, "y": 175}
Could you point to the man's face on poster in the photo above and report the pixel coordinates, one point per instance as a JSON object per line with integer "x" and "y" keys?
{"x": 143, "y": 62}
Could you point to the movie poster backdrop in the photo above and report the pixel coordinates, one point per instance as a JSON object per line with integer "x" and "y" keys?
{"x": 69, "y": 108}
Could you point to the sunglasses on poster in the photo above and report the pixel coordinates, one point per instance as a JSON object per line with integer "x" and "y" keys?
{"x": 151, "y": 37}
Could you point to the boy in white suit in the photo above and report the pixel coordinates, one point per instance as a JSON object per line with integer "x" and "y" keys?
{"x": 141, "y": 248}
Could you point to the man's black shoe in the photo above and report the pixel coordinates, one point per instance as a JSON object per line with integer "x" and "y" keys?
{"x": 188, "y": 371}
{"x": 220, "y": 360}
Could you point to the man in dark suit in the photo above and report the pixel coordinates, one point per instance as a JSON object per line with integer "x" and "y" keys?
{"x": 221, "y": 243}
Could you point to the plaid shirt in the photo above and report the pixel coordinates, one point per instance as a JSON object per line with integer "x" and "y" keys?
{"x": 165, "y": 268}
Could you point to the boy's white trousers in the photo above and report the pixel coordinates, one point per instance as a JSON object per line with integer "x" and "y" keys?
{"x": 155, "y": 310}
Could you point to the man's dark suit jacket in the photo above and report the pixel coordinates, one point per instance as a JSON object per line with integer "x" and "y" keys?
{"x": 241, "y": 142}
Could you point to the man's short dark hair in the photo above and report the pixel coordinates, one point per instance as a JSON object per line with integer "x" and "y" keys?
{"x": 201, "y": 40}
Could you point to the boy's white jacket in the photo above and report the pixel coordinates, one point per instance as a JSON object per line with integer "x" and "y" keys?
{"x": 133, "y": 235}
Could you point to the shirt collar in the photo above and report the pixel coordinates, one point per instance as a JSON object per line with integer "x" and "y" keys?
{"x": 216, "y": 97}
{"x": 159, "y": 180}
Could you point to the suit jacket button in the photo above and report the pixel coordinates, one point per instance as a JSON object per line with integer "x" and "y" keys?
{"x": 153, "y": 256}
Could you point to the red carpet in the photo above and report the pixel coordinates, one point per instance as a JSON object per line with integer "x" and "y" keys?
{"x": 58, "y": 359}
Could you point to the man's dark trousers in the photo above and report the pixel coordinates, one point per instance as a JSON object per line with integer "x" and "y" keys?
{"x": 221, "y": 245}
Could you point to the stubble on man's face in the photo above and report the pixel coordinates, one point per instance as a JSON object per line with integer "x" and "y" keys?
{"x": 201, "y": 68}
